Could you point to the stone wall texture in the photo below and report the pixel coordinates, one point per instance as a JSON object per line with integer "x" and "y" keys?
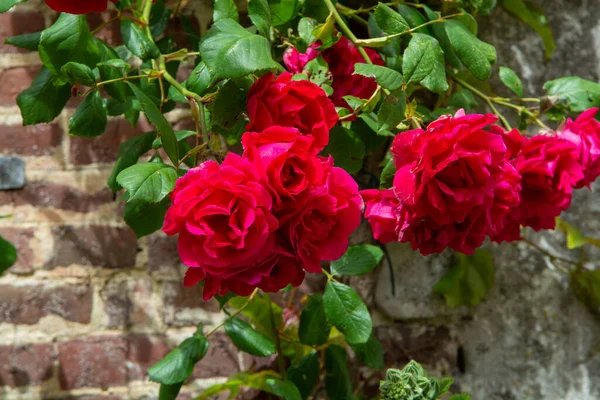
{"x": 88, "y": 307}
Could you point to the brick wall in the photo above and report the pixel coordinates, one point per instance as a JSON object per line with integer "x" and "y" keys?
{"x": 87, "y": 308}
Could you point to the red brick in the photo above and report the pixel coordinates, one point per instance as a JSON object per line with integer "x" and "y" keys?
{"x": 37, "y": 140}
{"x": 18, "y": 23}
{"x": 20, "y": 238}
{"x": 93, "y": 362}
{"x": 127, "y": 302}
{"x": 110, "y": 33}
{"x": 220, "y": 360}
{"x": 101, "y": 246}
{"x": 25, "y": 365}
{"x": 103, "y": 148}
{"x": 163, "y": 254}
{"x": 177, "y": 298}
{"x": 27, "y": 304}
{"x": 144, "y": 352}
{"x": 52, "y": 195}
{"x": 13, "y": 81}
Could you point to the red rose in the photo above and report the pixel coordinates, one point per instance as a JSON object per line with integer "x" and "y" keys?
{"x": 584, "y": 132}
{"x": 300, "y": 104}
{"x": 295, "y": 61}
{"x": 283, "y": 157}
{"x": 78, "y": 6}
{"x": 341, "y": 58}
{"x": 550, "y": 169}
{"x": 382, "y": 211}
{"x": 222, "y": 214}
{"x": 317, "y": 229}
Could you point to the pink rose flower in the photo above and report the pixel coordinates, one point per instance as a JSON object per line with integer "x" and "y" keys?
{"x": 584, "y": 132}
{"x": 283, "y": 158}
{"x": 318, "y": 227}
{"x": 300, "y": 104}
{"x": 295, "y": 61}
{"x": 382, "y": 209}
{"x": 341, "y": 58}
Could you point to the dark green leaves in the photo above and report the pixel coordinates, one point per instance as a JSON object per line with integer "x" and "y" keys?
{"x": 129, "y": 152}
{"x": 305, "y": 373}
{"x": 179, "y": 364}
{"x": 392, "y": 112}
{"x": 476, "y": 55}
{"x": 284, "y": 389}
{"x": 8, "y": 255}
{"x": 586, "y": 286}
{"x": 163, "y": 126}
{"x": 145, "y": 218}
{"x": 69, "y": 39}
{"x": 137, "y": 42}
{"x": 90, "y": 118}
{"x": 337, "y": 378}
{"x": 78, "y": 73}
{"x": 511, "y": 80}
{"x": 424, "y": 63}
{"x": 225, "y": 9}
{"x": 150, "y": 182}
{"x": 28, "y": 41}
{"x": 573, "y": 94}
{"x": 469, "y": 280}
{"x": 260, "y": 15}
{"x": 371, "y": 353}
{"x": 389, "y": 20}
{"x": 314, "y": 328}
{"x": 535, "y": 18}
{"x": 358, "y": 260}
{"x": 44, "y": 100}
{"x": 346, "y": 148}
{"x": 347, "y": 312}
{"x": 245, "y": 338}
{"x": 159, "y": 18}
{"x": 283, "y": 11}
{"x": 385, "y": 77}
{"x": 230, "y": 51}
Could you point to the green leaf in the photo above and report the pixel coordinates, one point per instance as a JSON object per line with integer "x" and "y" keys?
{"x": 358, "y": 260}
{"x": 6, "y": 5}
{"x": 225, "y": 9}
{"x": 347, "y": 312}
{"x": 164, "y": 128}
{"x": 260, "y": 15}
{"x": 337, "y": 378}
{"x": 179, "y": 364}
{"x": 371, "y": 353}
{"x": 258, "y": 314}
{"x": 306, "y": 26}
{"x": 586, "y": 286}
{"x": 423, "y": 63}
{"x": 44, "y": 100}
{"x": 69, "y": 39}
{"x": 389, "y": 20}
{"x": 366, "y": 130}
{"x": 199, "y": 80}
{"x": 283, "y": 11}
{"x": 414, "y": 17}
{"x": 129, "y": 153}
{"x": 462, "y": 396}
{"x": 392, "y": 112}
{"x": 229, "y": 103}
{"x": 346, "y": 148}
{"x": 28, "y": 41}
{"x": 511, "y": 80}
{"x": 284, "y": 389}
{"x": 463, "y": 98}
{"x": 8, "y": 255}
{"x": 115, "y": 69}
{"x": 316, "y": 9}
{"x": 533, "y": 16}
{"x": 137, "y": 42}
{"x": 327, "y": 33}
{"x": 169, "y": 392}
{"x": 439, "y": 32}
{"x": 78, "y": 73}
{"x": 575, "y": 238}
{"x": 476, "y": 55}
{"x": 469, "y": 279}
{"x": 386, "y": 77}
{"x": 230, "y": 51}
{"x": 386, "y": 180}
{"x": 150, "y": 182}
{"x": 245, "y": 338}
{"x": 305, "y": 373}
{"x": 90, "y": 118}
{"x": 314, "y": 328}
{"x": 573, "y": 94}
{"x": 180, "y": 135}
{"x": 159, "y": 18}
{"x": 145, "y": 218}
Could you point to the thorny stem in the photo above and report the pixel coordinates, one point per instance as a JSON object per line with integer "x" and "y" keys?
{"x": 235, "y": 314}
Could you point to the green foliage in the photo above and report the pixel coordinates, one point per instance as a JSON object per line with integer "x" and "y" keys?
{"x": 412, "y": 383}
{"x": 346, "y": 148}
{"x": 90, "y": 118}
{"x": 145, "y": 218}
{"x": 78, "y": 73}
{"x": 424, "y": 63}
{"x": 586, "y": 286}
{"x": 150, "y": 182}
{"x": 391, "y": 112}
{"x": 305, "y": 373}
{"x": 358, "y": 260}
{"x": 129, "y": 152}
{"x": 527, "y": 12}
{"x": 8, "y": 255}
{"x": 44, "y": 100}
{"x": 245, "y": 338}
{"x": 389, "y": 21}
{"x": 386, "y": 77}
{"x": 511, "y": 80}
{"x": 371, "y": 353}
{"x": 347, "y": 312}
{"x": 260, "y": 15}
{"x": 6, "y": 5}
{"x": 476, "y": 55}
{"x": 28, "y": 41}
{"x": 573, "y": 94}
{"x": 314, "y": 328}
{"x": 469, "y": 279}
{"x": 283, "y": 11}
{"x": 137, "y": 42}
{"x": 337, "y": 379}
{"x": 284, "y": 389}
{"x": 224, "y": 9}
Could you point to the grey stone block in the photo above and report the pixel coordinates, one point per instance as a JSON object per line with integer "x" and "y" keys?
{"x": 12, "y": 173}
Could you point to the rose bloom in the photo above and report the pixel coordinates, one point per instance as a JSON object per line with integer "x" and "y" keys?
{"x": 301, "y": 104}
{"x": 341, "y": 58}
{"x": 317, "y": 227}
{"x": 282, "y": 156}
{"x": 453, "y": 186}
{"x": 222, "y": 214}
{"x": 584, "y": 132}
{"x": 295, "y": 61}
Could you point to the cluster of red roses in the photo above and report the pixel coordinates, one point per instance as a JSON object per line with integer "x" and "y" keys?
{"x": 457, "y": 183}
{"x": 78, "y": 6}
{"x": 264, "y": 218}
